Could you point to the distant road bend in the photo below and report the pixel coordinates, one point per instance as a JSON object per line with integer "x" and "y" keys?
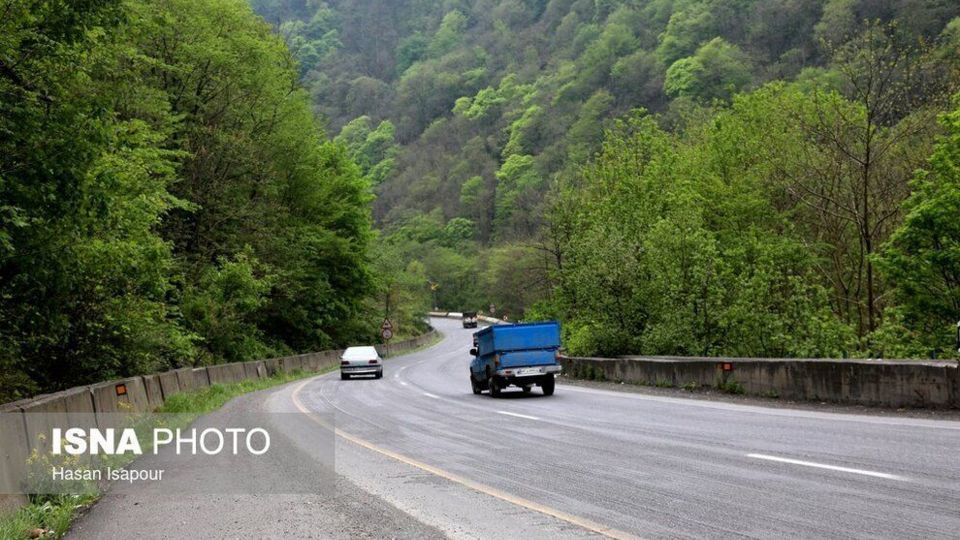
{"x": 418, "y": 455}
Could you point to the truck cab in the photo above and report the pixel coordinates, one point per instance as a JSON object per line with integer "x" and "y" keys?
{"x": 522, "y": 355}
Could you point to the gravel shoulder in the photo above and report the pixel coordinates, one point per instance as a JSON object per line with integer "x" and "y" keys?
{"x": 712, "y": 394}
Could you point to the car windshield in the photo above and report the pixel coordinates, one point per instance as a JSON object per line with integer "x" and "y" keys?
{"x": 360, "y": 353}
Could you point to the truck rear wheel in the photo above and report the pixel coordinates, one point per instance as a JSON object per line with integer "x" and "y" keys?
{"x": 494, "y": 386}
{"x": 548, "y": 385}
{"x": 474, "y": 385}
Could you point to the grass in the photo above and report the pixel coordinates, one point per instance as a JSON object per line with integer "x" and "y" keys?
{"x": 216, "y": 396}
{"x": 51, "y": 515}
{"x": 731, "y": 386}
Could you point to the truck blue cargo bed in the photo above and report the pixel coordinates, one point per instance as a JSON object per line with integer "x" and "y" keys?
{"x": 518, "y": 337}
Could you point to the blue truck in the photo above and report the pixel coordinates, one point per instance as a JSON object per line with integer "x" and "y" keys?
{"x": 523, "y": 355}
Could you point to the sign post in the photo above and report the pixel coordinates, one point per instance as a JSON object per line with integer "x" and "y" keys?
{"x": 386, "y": 330}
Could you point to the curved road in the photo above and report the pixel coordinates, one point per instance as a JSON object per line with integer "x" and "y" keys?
{"x": 588, "y": 462}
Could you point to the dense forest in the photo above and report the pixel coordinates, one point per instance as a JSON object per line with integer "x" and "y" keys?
{"x": 731, "y": 177}
{"x": 185, "y": 182}
{"x": 167, "y": 197}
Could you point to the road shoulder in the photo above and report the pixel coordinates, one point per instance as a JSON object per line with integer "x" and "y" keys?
{"x": 712, "y": 394}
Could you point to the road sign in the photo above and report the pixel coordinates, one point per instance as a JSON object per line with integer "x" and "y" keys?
{"x": 386, "y": 329}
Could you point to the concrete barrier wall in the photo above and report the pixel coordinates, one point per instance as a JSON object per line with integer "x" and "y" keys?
{"x": 273, "y": 366}
{"x": 14, "y": 451}
{"x": 226, "y": 373}
{"x": 192, "y": 378}
{"x": 255, "y": 370}
{"x": 154, "y": 393}
{"x": 886, "y": 383}
{"x": 458, "y": 316}
{"x": 169, "y": 383}
{"x": 21, "y": 433}
{"x": 107, "y": 397}
{"x": 74, "y": 407}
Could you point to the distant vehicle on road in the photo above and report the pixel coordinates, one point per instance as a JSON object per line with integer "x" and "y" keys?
{"x": 361, "y": 361}
{"x": 523, "y": 355}
{"x": 469, "y": 319}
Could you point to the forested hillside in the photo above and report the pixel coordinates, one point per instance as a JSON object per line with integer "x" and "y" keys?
{"x": 190, "y": 182}
{"x": 166, "y": 196}
{"x": 665, "y": 176}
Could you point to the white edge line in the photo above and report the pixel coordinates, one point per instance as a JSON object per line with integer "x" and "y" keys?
{"x": 827, "y": 467}
{"x": 434, "y": 396}
{"x": 518, "y": 415}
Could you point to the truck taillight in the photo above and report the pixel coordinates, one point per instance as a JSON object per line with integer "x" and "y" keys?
{"x": 496, "y": 360}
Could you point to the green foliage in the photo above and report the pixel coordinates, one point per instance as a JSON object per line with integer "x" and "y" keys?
{"x": 448, "y": 35}
{"x": 716, "y": 71}
{"x": 215, "y": 396}
{"x": 666, "y": 259}
{"x": 53, "y": 515}
{"x": 224, "y": 307}
{"x": 922, "y": 258}
{"x": 84, "y": 186}
{"x": 517, "y": 185}
{"x": 142, "y": 142}
{"x": 373, "y": 149}
{"x": 686, "y": 30}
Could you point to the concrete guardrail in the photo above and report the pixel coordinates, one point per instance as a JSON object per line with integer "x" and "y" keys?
{"x": 20, "y": 433}
{"x": 885, "y": 383}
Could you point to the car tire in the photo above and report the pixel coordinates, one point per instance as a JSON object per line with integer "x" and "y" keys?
{"x": 494, "y": 386}
{"x": 344, "y": 377}
{"x": 548, "y": 385}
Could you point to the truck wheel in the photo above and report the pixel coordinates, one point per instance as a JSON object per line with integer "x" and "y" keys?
{"x": 548, "y": 385}
{"x": 494, "y": 386}
{"x": 474, "y": 385}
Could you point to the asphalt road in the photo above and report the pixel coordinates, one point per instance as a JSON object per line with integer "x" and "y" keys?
{"x": 418, "y": 455}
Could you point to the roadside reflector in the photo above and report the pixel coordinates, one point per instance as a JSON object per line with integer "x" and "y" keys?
{"x": 727, "y": 366}
{"x": 121, "y": 389}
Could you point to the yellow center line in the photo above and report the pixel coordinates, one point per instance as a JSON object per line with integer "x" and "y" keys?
{"x": 584, "y": 523}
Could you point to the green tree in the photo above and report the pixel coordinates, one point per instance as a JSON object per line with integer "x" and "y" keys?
{"x": 922, "y": 257}
{"x": 448, "y": 35}
{"x": 717, "y": 71}
{"x": 84, "y": 178}
{"x": 517, "y": 184}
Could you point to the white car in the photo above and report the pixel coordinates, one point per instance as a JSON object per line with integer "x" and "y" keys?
{"x": 361, "y": 361}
